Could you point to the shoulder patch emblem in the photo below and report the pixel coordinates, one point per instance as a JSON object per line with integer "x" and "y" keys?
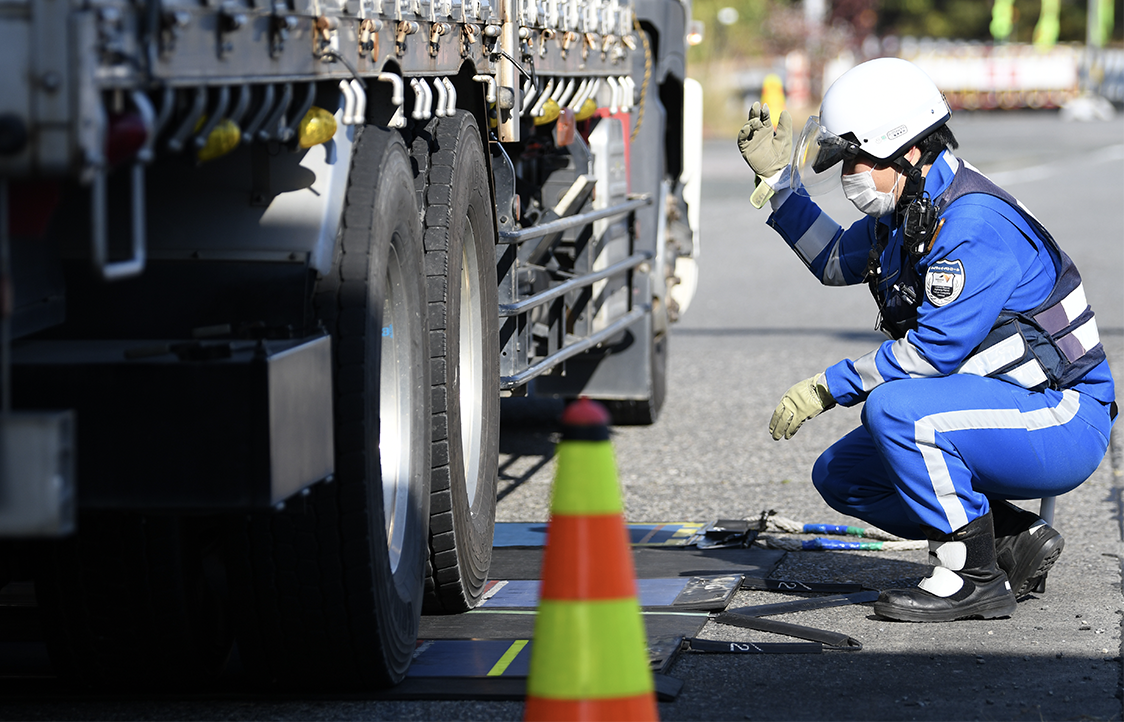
{"x": 944, "y": 281}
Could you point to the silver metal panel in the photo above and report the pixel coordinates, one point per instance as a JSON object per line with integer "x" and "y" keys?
{"x": 37, "y": 495}
{"x": 51, "y": 87}
{"x": 318, "y": 208}
{"x": 301, "y": 220}
{"x": 88, "y": 126}
{"x": 606, "y": 142}
{"x": 611, "y": 296}
{"x": 302, "y": 448}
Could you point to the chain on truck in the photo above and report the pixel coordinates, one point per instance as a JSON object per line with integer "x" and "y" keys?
{"x": 269, "y": 269}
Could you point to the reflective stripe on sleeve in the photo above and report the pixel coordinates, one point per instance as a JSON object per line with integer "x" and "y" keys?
{"x": 910, "y": 359}
{"x": 833, "y": 269}
{"x": 815, "y": 239}
{"x": 867, "y": 369}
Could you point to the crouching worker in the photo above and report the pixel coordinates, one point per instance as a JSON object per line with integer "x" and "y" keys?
{"x": 993, "y": 385}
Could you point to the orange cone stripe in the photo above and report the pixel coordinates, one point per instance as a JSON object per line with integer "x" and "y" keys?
{"x": 587, "y": 557}
{"x": 641, "y": 706}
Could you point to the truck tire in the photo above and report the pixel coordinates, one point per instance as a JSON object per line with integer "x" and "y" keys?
{"x": 452, "y": 173}
{"x": 135, "y": 601}
{"x": 328, "y": 592}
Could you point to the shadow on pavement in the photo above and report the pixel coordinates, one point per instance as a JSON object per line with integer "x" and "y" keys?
{"x": 528, "y": 435}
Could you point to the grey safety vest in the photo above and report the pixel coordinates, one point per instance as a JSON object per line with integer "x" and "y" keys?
{"x": 1052, "y": 345}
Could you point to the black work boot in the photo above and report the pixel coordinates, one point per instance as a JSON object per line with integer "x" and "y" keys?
{"x": 1025, "y": 547}
{"x": 965, "y": 582}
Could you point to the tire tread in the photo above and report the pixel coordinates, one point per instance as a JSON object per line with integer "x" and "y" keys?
{"x": 446, "y": 590}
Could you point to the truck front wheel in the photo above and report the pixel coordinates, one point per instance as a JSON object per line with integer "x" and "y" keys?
{"x": 328, "y": 592}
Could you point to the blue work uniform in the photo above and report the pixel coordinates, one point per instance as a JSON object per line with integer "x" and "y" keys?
{"x": 938, "y": 435}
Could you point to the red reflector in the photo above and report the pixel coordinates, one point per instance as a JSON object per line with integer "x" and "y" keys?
{"x": 125, "y": 137}
{"x": 564, "y": 128}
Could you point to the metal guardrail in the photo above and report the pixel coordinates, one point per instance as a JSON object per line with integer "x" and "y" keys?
{"x": 573, "y": 345}
{"x": 510, "y": 382}
{"x": 562, "y": 224}
{"x": 514, "y": 309}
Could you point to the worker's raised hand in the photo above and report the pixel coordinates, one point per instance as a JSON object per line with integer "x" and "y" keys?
{"x": 804, "y": 401}
{"x": 766, "y": 151}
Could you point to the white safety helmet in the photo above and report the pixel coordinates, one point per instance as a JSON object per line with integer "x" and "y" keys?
{"x": 877, "y": 109}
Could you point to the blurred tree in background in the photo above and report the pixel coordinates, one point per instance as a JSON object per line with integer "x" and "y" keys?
{"x": 969, "y": 19}
{"x": 762, "y": 28}
{"x": 745, "y": 40}
{"x": 774, "y": 27}
{"x": 961, "y": 19}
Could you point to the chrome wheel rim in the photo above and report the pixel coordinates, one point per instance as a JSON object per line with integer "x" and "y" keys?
{"x": 395, "y": 403}
{"x": 470, "y": 365}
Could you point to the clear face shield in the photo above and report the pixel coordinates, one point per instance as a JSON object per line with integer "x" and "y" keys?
{"x": 816, "y": 163}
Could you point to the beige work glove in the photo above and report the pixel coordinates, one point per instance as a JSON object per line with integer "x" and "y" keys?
{"x": 767, "y": 151}
{"x": 804, "y": 401}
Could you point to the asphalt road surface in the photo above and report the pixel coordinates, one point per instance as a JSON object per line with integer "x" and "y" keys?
{"x": 758, "y": 324}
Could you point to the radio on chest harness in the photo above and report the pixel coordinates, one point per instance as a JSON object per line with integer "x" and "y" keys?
{"x": 920, "y": 223}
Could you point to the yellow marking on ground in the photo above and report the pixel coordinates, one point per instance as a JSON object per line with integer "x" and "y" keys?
{"x": 508, "y": 657}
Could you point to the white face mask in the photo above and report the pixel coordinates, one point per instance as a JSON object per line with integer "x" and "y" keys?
{"x": 861, "y": 190}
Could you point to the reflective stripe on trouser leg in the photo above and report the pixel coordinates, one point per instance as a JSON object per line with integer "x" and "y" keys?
{"x": 946, "y": 442}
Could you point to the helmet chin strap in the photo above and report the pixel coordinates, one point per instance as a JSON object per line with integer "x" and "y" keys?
{"x": 914, "y": 178}
{"x": 915, "y": 211}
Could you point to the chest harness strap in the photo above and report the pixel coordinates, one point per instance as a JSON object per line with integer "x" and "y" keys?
{"x": 1052, "y": 345}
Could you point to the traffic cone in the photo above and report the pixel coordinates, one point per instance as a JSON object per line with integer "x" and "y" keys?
{"x": 589, "y": 660}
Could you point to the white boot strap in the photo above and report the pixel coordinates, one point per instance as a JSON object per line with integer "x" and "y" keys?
{"x": 948, "y": 554}
{"x": 942, "y": 582}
